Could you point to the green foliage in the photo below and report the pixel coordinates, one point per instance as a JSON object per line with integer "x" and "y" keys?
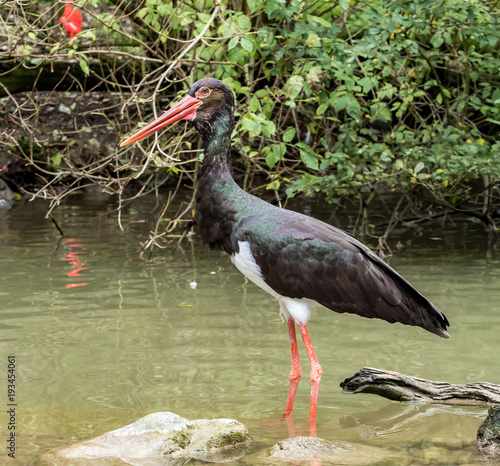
{"x": 401, "y": 93}
{"x": 333, "y": 98}
{"x": 359, "y": 94}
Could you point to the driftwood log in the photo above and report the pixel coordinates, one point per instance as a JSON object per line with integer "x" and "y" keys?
{"x": 399, "y": 387}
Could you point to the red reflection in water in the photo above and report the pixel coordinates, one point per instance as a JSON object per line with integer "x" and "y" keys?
{"x": 74, "y": 261}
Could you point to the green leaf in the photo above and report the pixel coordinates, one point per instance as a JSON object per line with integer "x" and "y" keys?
{"x": 270, "y": 7}
{"x": 162, "y": 9}
{"x": 492, "y": 40}
{"x": 275, "y": 153}
{"x": 204, "y": 17}
{"x": 251, "y": 124}
{"x": 268, "y": 127}
{"x": 275, "y": 184}
{"x": 255, "y": 104}
{"x": 353, "y": 108}
{"x": 233, "y": 42}
{"x": 367, "y": 84}
{"x": 87, "y": 34}
{"x": 344, "y": 4}
{"x": 84, "y": 66}
{"x": 289, "y": 134}
{"x": 56, "y": 159}
{"x": 262, "y": 92}
{"x": 243, "y": 23}
{"x": 247, "y": 44}
{"x": 419, "y": 167}
{"x": 399, "y": 164}
{"x": 308, "y": 156}
{"x": 313, "y": 40}
{"x": 294, "y": 86}
{"x": 322, "y": 108}
{"x": 269, "y": 37}
{"x": 254, "y": 5}
{"x": 340, "y": 103}
{"x": 142, "y": 12}
{"x": 437, "y": 40}
{"x": 225, "y": 31}
{"x": 272, "y": 158}
{"x": 238, "y": 55}
{"x": 319, "y": 20}
{"x": 309, "y": 160}
{"x": 384, "y": 114}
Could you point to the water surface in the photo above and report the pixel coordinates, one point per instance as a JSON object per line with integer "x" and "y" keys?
{"x": 102, "y": 337}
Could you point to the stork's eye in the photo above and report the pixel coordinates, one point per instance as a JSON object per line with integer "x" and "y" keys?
{"x": 203, "y": 92}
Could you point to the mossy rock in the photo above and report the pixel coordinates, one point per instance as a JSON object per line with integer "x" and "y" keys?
{"x": 161, "y": 435}
{"x": 488, "y": 434}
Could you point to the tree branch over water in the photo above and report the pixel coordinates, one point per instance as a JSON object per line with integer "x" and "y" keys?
{"x": 400, "y": 387}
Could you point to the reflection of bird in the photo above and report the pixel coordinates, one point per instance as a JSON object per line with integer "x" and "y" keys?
{"x": 297, "y": 259}
{"x": 71, "y": 20}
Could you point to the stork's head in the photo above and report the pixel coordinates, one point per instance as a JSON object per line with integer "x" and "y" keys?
{"x": 204, "y": 104}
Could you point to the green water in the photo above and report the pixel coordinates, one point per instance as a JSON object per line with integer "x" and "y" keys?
{"x": 102, "y": 337}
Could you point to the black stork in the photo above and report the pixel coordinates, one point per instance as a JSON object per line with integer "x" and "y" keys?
{"x": 301, "y": 261}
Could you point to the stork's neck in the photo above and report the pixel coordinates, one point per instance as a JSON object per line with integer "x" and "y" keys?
{"x": 216, "y": 139}
{"x": 220, "y": 202}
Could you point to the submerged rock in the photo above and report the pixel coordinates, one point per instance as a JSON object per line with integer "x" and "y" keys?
{"x": 309, "y": 448}
{"x": 161, "y": 438}
{"x": 488, "y": 434}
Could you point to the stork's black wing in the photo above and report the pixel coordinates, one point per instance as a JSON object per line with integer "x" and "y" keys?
{"x": 302, "y": 257}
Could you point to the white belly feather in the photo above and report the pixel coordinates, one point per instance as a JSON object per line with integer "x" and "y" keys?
{"x": 299, "y": 309}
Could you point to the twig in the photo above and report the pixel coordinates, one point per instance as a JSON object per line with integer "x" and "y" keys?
{"x": 56, "y": 224}
{"x": 155, "y": 232}
{"x": 393, "y": 221}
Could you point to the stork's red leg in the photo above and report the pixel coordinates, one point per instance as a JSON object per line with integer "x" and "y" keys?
{"x": 315, "y": 372}
{"x": 296, "y": 370}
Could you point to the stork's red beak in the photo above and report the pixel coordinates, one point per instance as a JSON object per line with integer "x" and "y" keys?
{"x": 185, "y": 109}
